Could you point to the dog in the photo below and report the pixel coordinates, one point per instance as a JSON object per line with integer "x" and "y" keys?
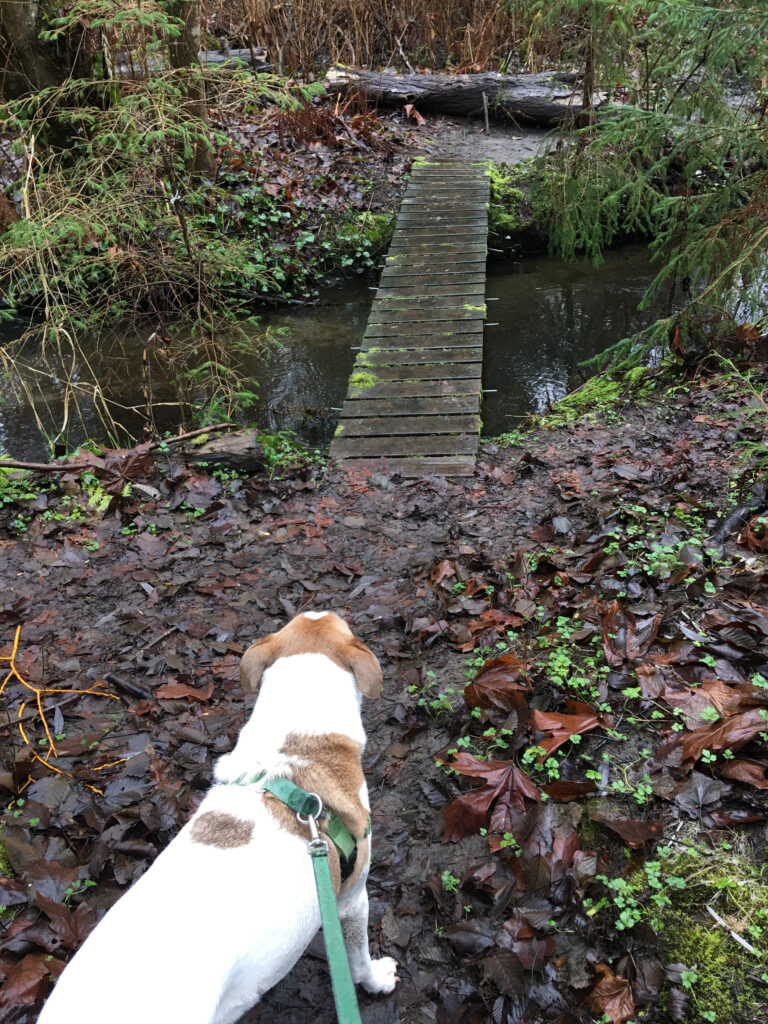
{"x": 229, "y": 907}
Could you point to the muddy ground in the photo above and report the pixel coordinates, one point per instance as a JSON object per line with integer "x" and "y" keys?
{"x": 547, "y": 549}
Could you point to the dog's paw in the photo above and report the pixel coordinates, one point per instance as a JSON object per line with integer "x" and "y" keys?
{"x": 383, "y": 976}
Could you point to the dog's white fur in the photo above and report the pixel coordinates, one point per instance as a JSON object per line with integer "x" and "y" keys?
{"x": 206, "y": 931}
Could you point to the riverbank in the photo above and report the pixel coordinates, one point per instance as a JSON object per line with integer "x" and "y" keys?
{"x": 615, "y": 642}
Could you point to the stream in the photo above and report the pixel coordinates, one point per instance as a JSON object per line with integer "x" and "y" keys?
{"x": 551, "y": 316}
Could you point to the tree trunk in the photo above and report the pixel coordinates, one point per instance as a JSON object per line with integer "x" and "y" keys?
{"x": 29, "y": 64}
{"x": 185, "y": 56}
{"x": 539, "y": 99}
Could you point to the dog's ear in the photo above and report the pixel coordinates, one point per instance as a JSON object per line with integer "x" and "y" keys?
{"x": 365, "y": 667}
{"x": 255, "y": 661}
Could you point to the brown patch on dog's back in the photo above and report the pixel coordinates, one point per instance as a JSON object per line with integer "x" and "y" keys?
{"x": 222, "y": 830}
{"x": 327, "y": 764}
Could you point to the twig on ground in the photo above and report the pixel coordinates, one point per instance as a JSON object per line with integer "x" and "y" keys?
{"x": 734, "y": 935}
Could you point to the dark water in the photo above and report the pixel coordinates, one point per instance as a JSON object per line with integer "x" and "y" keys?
{"x": 551, "y": 316}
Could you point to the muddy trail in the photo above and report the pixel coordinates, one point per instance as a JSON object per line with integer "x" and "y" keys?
{"x": 613, "y": 643}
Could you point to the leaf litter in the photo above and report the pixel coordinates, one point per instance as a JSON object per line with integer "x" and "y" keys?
{"x": 572, "y": 676}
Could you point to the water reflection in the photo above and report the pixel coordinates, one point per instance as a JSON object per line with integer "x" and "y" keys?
{"x": 552, "y": 316}
{"x": 299, "y": 378}
{"x": 303, "y": 379}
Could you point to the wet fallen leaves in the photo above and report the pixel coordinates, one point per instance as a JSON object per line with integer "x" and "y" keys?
{"x": 573, "y": 672}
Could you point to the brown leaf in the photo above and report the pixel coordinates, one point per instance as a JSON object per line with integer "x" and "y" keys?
{"x": 755, "y": 534}
{"x": 470, "y": 937}
{"x": 443, "y": 570}
{"x": 677, "y": 1003}
{"x": 712, "y": 693}
{"x": 412, "y": 112}
{"x": 733, "y": 733}
{"x": 505, "y": 785}
{"x": 623, "y": 639}
{"x": 748, "y": 332}
{"x": 467, "y": 814}
{"x": 568, "y": 789}
{"x": 176, "y": 691}
{"x": 560, "y": 728}
{"x": 676, "y": 342}
{"x": 497, "y": 685}
{"x": 71, "y": 927}
{"x": 27, "y": 980}
{"x": 751, "y": 772}
{"x": 491, "y": 619}
{"x": 633, "y": 832}
{"x": 612, "y": 996}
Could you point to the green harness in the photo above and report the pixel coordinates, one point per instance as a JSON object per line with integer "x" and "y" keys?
{"x": 309, "y": 808}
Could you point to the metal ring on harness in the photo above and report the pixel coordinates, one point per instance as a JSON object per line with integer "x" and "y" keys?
{"x": 311, "y": 817}
{"x": 315, "y": 842}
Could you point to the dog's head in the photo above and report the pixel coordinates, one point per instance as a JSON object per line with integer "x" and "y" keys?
{"x": 313, "y": 633}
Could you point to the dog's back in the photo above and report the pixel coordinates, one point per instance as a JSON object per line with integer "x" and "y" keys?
{"x": 228, "y": 908}
{"x": 198, "y": 938}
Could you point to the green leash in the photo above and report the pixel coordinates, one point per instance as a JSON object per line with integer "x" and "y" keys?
{"x": 309, "y": 807}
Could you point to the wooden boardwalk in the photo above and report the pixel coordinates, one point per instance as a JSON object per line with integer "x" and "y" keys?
{"x": 414, "y": 394}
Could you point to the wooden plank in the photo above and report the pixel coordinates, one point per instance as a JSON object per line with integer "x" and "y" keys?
{"x": 430, "y": 250}
{"x": 414, "y": 219}
{"x": 439, "y": 217}
{"x": 415, "y": 301}
{"x": 403, "y": 407}
{"x": 448, "y": 186}
{"x": 415, "y": 356}
{"x": 425, "y": 371}
{"x": 445, "y": 236}
{"x": 390, "y": 426}
{"x": 424, "y": 176}
{"x": 417, "y": 389}
{"x": 415, "y": 298}
{"x": 417, "y": 274}
{"x": 425, "y": 341}
{"x": 443, "y": 200}
{"x": 446, "y": 250}
{"x": 448, "y": 176}
{"x": 465, "y": 262}
{"x": 435, "y": 315}
{"x": 421, "y": 444}
{"x": 454, "y": 187}
{"x": 417, "y": 270}
{"x": 458, "y": 465}
{"x": 422, "y": 329}
{"x": 471, "y": 288}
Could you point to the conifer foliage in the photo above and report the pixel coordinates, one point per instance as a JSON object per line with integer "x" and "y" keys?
{"x": 678, "y": 152}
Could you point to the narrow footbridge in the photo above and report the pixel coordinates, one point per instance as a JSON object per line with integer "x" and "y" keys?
{"x": 414, "y": 395}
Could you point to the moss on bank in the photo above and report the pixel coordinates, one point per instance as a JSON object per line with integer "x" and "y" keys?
{"x": 708, "y": 906}
{"x": 510, "y": 213}
{"x": 600, "y": 398}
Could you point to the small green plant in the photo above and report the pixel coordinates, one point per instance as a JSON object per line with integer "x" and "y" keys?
{"x": 77, "y": 889}
{"x": 283, "y": 452}
{"x": 436, "y": 703}
{"x": 449, "y": 882}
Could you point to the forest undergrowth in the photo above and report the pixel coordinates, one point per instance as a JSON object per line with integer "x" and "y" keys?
{"x": 570, "y": 762}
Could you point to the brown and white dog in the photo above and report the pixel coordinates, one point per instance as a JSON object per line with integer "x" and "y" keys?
{"x": 230, "y": 906}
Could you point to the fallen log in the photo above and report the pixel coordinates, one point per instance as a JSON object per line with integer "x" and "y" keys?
{"x": 241, "y": 451}
{"x": 542, "y": 99}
